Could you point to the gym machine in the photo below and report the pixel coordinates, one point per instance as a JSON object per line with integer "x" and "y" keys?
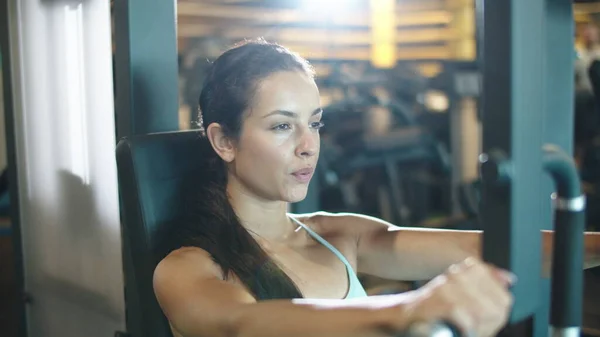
{"x": 527, "y": 143}
{"x": 528, "y": 64}
{"x": 528, "y": 175}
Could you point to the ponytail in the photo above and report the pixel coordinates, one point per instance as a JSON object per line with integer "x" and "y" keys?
{"x": 211, "y": 223}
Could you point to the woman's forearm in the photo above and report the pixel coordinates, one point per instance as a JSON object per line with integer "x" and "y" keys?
{"x": 371, "y": 302}
{"x": 462, "y": 245}
{"x": 375, "y": 316}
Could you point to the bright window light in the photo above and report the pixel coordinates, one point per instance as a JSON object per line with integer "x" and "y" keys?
{"x": 329, "y": 8}
{"x": 76, "y": 103}
{"x": 383, "y": 33}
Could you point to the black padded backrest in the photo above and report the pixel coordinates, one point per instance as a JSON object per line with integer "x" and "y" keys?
{"x": 152, "y": 170}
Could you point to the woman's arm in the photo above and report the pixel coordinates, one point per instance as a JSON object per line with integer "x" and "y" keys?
{"x": 317, "y": 318}
{"x": 198, "y": 303}
{"x": 392, "y": 252}
{"x": 472, "y": 296}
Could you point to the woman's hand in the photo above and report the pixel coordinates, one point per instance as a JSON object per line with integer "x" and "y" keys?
{"x": 473, "y": 296}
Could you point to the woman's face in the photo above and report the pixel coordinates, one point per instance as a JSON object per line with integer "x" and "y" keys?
{"x": 279, "y": 143}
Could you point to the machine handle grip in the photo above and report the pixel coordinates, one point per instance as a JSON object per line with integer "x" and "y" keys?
{"x": 567, "y": 269}
{"x": 567, "y": 257}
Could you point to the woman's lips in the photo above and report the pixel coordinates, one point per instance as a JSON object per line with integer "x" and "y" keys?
{"x": 304, "y": 175}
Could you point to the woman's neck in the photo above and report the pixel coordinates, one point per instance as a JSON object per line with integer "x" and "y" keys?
{"x": 265, "y": 218}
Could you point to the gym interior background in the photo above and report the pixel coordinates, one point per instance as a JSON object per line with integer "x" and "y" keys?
{"x": 400, "y": 86}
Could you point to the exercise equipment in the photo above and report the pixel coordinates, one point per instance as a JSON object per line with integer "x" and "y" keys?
{"x": 382, "y": 154}
{"x": 528, "y": 104}
{"x": 567, "y": 269}
{"x": 527, "y": 127}
{"x": 523, "y": 111}
{"x": 153, "y": 172}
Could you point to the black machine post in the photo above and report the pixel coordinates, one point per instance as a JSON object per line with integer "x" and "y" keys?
{"x": 567, "y": 274}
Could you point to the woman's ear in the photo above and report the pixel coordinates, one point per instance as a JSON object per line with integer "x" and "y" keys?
{"x": 222, "y": 144}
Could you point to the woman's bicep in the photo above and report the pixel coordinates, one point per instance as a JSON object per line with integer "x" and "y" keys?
{"x": 193, "y": 297}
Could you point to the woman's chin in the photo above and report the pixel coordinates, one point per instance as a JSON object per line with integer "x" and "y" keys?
{"x": 296, "y": 194}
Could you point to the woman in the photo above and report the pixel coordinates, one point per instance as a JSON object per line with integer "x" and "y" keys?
{"x": 252, "y": 269}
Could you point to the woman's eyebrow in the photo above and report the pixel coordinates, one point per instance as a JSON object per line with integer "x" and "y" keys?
{"x": 291, "y": 113}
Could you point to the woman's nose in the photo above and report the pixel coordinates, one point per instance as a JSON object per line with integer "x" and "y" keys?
{"x": 308, "y": 145}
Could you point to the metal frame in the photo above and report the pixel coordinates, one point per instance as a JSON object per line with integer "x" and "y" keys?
{"x": 524, "y": 108}
{"x": 528, "y": 102}
{"x": 146, "y": 67}
{"x": 558, "y": 115}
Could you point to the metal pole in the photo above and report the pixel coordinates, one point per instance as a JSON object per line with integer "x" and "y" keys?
{"x": 528, "y": 89}
{"x": 513, "y": 90}
{"x": 558, "y": 130}
{"x": 567, "y": 257}
{"x": 146, "y": 68}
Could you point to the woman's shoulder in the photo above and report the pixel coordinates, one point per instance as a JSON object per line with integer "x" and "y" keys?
{"x": 186, "y": 260}
{"x": 346, "y": 224}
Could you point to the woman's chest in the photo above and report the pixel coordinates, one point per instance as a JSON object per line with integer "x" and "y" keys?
{"x": 317, "y": 270}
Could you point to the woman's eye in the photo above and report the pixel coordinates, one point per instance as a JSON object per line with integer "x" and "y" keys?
{"x": 317, "y": 125}
{"x": 281, "y": 127}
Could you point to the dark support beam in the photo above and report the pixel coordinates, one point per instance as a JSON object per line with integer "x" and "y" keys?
{"x": 512, "y": 210}
{"x": 7, "y": 23}
{"x": 528, "y": 102}
{"x": 146, "y": 68}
